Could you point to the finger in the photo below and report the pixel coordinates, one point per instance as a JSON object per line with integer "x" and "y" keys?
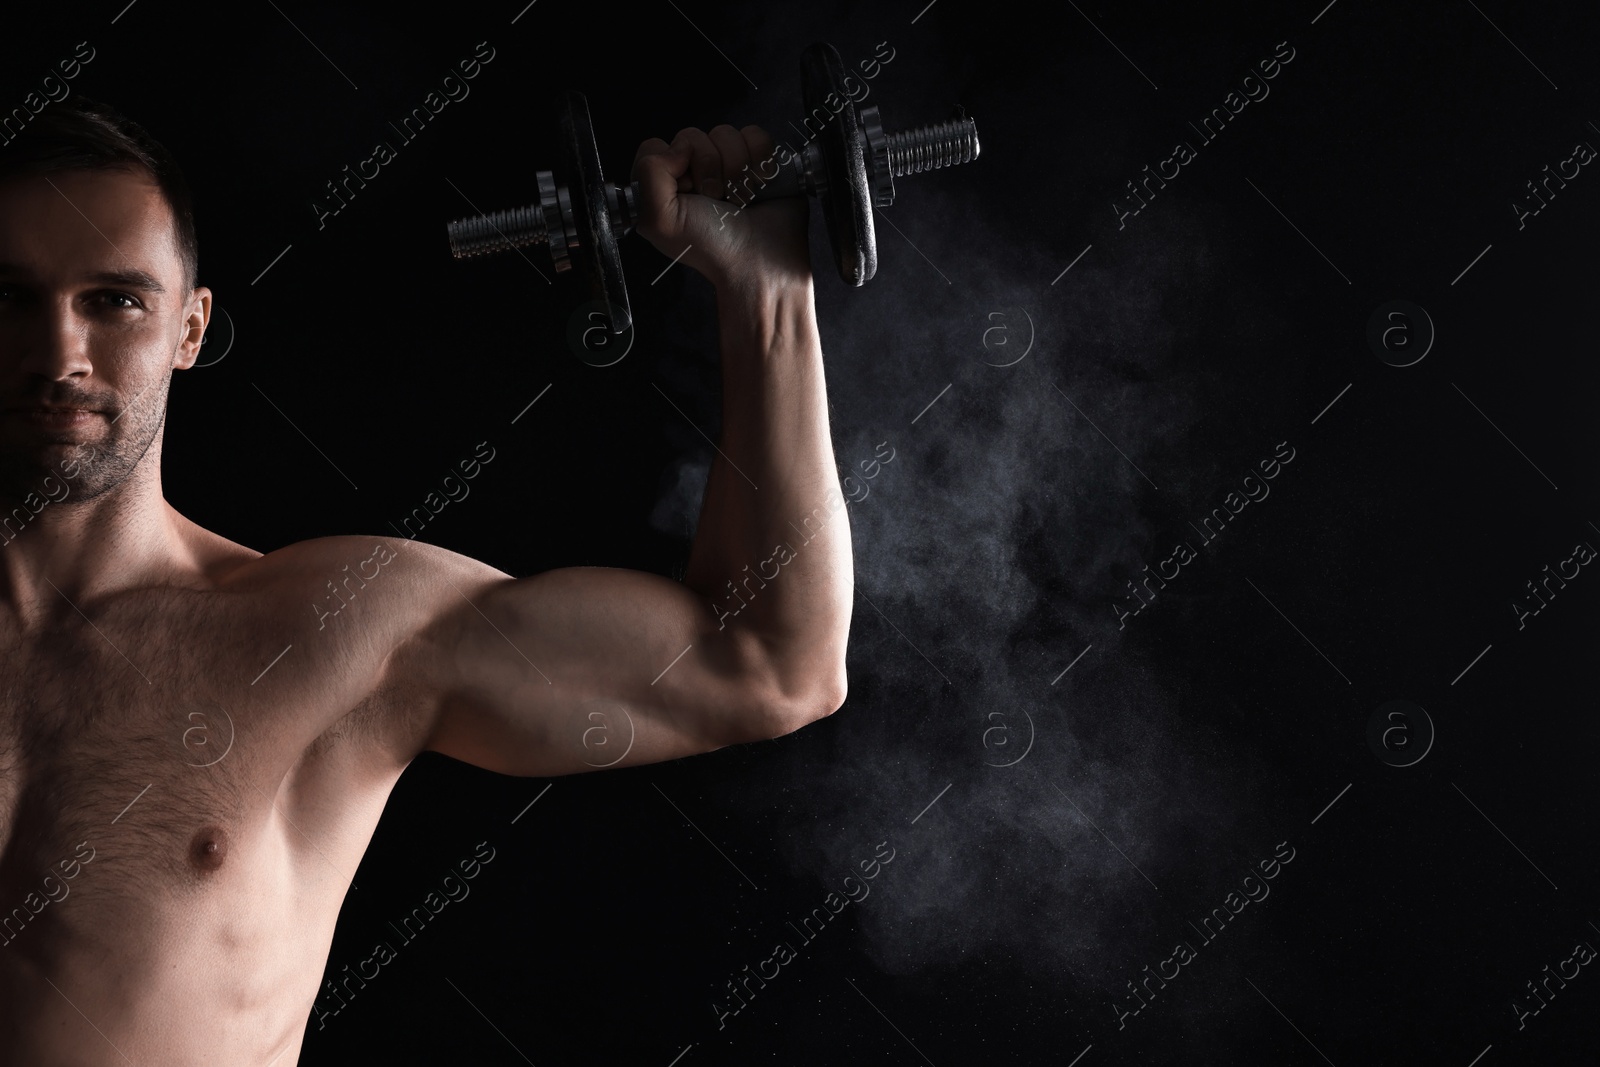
{"x": 705, "y": 165}
{"x": 761, "y": 146}
{"x": 735, "y": 157}
{"x": 657, "y": 168}
{"x": 762, "y": 149}
{"x": 655, "y": 146}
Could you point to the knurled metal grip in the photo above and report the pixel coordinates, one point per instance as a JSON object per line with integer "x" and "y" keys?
{"x": 849, "y": 166}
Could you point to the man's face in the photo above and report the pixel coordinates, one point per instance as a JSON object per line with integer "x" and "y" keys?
{"x": 94, "y": 315}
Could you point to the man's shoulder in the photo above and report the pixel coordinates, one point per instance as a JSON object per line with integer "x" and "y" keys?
{"x": 350, "y": 594}
{"x": 365, "y": 618}
{"x": 354, "y": 557}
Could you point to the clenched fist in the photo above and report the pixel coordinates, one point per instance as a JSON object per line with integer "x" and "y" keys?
{"x": 694, "y": 194}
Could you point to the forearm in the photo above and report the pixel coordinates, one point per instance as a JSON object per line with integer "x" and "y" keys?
{"x": 772, "y": 554}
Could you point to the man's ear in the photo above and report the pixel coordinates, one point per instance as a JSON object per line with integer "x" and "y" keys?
{"x": 196, "y": 317}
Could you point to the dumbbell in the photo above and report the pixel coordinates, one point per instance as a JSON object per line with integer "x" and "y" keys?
{"x": 849, "y": 165}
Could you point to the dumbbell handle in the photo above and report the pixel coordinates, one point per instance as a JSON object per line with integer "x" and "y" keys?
{"x": 890, "y": 156}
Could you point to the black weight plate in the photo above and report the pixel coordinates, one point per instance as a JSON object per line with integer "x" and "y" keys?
{"x": 598, "y": 261}
{"x": 847, "y": 203}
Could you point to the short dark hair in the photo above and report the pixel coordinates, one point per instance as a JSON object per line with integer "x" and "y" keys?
{"x": 81, "y": 133}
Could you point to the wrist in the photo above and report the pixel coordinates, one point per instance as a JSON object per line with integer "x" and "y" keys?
{"x": 766, "y": 301}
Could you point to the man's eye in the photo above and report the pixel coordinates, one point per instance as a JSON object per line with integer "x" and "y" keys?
{"x": 120, "y": 301}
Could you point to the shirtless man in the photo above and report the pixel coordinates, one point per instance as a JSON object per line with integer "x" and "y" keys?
{"x": 166, "y": 900}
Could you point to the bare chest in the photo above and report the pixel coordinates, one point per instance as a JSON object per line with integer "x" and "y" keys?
{"x": 151, "y": 754}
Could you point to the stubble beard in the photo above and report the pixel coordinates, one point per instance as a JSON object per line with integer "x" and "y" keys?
{"x": 100, "y": 465}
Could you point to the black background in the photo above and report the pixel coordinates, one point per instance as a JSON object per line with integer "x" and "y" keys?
{"x": 1176, "y": 353}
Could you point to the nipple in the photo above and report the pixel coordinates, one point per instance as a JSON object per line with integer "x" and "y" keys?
{"x": 209, "y": 848}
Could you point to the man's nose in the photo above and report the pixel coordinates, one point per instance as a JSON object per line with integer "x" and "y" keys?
{"x": 56, "y": 346}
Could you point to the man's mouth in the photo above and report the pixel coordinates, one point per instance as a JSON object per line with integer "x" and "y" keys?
{"x": 43, "y": 415}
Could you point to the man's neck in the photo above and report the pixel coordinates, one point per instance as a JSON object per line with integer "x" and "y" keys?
{"x": 73, "y": 550}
